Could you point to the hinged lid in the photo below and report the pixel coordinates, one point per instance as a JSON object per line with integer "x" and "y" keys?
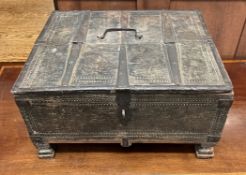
{"x": 136, "y": 50}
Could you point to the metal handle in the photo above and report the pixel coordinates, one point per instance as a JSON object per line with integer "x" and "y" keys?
{"x": 137, "y": 36}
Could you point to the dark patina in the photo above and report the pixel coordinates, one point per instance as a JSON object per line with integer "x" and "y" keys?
{"x": 124, "y": 77}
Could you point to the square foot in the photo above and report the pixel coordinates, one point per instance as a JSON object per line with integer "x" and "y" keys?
{"x": 46, "y": 153}
{"x": 204, "y": 152}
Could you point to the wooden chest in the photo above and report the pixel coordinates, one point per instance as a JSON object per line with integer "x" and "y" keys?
{"x": 124, "y": 77}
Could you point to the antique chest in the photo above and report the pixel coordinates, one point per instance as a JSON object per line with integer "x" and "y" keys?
{"x": 124, "y": 77}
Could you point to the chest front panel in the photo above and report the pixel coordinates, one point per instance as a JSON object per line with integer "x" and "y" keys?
{"x": 102, "y": 114}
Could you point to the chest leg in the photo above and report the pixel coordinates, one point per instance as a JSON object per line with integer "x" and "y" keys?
{"x": 44, "y": 148}
{"x": 204, "y": 151}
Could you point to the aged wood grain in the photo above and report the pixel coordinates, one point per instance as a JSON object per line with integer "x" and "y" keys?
{"x": 152, "y": 5}
{"x": 236, "y": 72}
{"x": 111, "y": 4}
{"x": 224, "y": 19}
{"x": 241, "y": 50}
{"x": 18, "y": 154}
{"x": 95, "y": 4}
{"x": 20, "y": 24}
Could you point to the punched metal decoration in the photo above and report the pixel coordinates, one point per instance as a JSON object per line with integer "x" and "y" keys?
{"x": 124, "y": 77}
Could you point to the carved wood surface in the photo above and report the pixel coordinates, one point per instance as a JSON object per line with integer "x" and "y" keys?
{"x": 69, "y": 54}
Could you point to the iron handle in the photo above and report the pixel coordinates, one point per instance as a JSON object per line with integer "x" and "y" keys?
{"x": 137, "y": 36}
